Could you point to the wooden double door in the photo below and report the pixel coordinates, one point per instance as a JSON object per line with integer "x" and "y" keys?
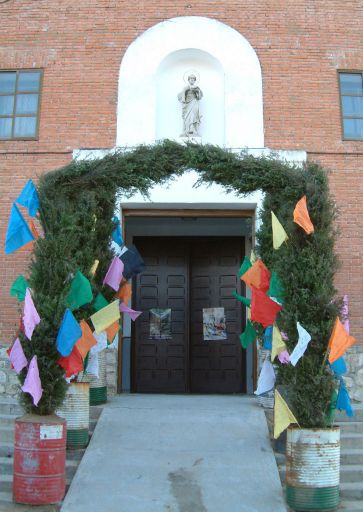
{"x": 183, "y": 276}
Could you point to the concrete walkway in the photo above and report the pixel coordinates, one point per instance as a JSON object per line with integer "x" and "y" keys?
{"x": 172, "y": 453}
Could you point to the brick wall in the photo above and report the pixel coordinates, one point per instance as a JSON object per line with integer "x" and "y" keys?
{"x": 80, "y": 45}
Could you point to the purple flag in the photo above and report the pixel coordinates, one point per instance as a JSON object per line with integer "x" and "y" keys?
{"x": 131, "y": 312}
{"x": 114, "y": 274}
{"x": 345, "y": 313}
{"x": 32, "y": 384}
{"x": 17, "y": 357}
{"x": 284, "y": 357}
{"x": 30, "y": 315}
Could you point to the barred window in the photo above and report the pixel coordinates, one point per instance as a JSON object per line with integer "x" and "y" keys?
{"x": 19, "y": 103}
{"x": 351, "y": 97}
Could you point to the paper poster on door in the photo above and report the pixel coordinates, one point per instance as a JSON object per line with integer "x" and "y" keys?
{"x": 214, "y": 324}
{"x": 160, "y": 324}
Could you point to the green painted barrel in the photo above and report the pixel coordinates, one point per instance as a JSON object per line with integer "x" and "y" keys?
{"x": 313, "y": 469}
{"x": 75, "y": 410}
{"x": 98, "y": 385}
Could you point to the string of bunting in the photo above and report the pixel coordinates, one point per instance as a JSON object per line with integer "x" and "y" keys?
{"x": 76, "y": 343}
{"x": 267, "y": 296}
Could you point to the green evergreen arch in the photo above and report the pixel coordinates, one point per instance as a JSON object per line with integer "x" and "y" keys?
{"x": 78, "y": 203}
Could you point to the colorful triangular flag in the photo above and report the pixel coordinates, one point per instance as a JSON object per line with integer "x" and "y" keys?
{"x": 114, "y": 273}
{"x": 283, "y": 417}
{"x": 343, "y": 400}
{"x": 31, "y": 317}
{"x": 100, "y": 302}
{"x": 279, "y": 235}
{"x": 69, "y": 332}
{"x": 131, "y": 312}
{"x": 301, "y": 216}
{"x": 17, "y": 356}
{"x": 284, "y": 357}
{"x": 72, "y": 364}
{"x": 248, "y": 336}
{"x": 339, "y": 341}
{"x": 339, "y": 367}
{"x": 125, "y": 292}
{"x": 86, "y": 341}
{"x": 94, "y": 268}
{"x": 18, "y": 288}
{"x": 258, "y": 276}
{"x": 263, "y": 309}
{"x": 29, "y": 198}
{"x": 246, "y": 264}
{"x": 101, "y": 344}
{"x": 80, "y": 292}
{"x": 301, "y": 345}
{"x": 112, "y": 331}
{"x": 267, "y": 378}
{"x": 32, "y": 384}
{"x": 18, "y": 233}
{"x": 278, "y": 344}
{"x": 344, "y": 313}
{"x": 267, "y": 338}
{"x": 116, "y": 233}
{"x": 133, "y": 262}
{"x": 275, "y": 289}
{"x": 244, "y": 300}
{"x": 106, "y": 316}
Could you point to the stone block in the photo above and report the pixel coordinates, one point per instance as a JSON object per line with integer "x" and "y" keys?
{"x": 349, "y": 382}
{"x": 359, "y": 379}
{"x": 357, "y": 394}
{"x": 3, "y": 377}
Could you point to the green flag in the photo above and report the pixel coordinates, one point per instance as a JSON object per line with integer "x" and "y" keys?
{"x": 248, "y": 336}
{"x": 246, "y": 302}
{"x": 246, "y": 264}
{"x": 18, "y": 288}
{"x": 80, "y": 292}
{"x": 275, "y": 290}
{"x": 99, "y": 303}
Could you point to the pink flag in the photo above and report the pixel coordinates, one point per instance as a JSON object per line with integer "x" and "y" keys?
{"x": 32, "y": 384}
{"x": 17, "y": 357}
{"x": 284, "y": 357}
{"x": 345, "y": 313}
{"x": 30, "y": 315}
{"x": 132, "y": 313}
{"x": 114, "y": 273}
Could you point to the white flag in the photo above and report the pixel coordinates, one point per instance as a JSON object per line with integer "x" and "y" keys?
{"x": 267, "y": 378}
{"x": 301, "y": 345}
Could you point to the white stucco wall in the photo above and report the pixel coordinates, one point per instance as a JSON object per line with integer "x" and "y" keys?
{"x": 230, "y": 75}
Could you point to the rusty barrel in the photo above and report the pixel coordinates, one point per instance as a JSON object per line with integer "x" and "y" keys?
{"x": 75, "y": 409}
{"x": 312, "y": 469}
{"x": 98, "y": 385}
{"x": 39, "y": 476}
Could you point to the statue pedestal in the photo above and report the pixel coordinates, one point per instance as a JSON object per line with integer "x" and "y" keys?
{"x": 195, "y": 139}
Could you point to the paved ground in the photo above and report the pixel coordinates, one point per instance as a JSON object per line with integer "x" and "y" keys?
{"x": 173, "y": 453}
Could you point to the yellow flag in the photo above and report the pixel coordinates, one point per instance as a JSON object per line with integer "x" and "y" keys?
{"x": 282, "y": 415}
{"x": 253, "y": 257}
{"x": 279, "y": 235}
{"x": 249, "y": 313}
{"x": 94, "y": 268}
{"x": 278, "y": 344}
{"x": 106, "y": 316}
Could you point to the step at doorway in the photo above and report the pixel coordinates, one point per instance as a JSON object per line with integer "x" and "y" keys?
{"x": 183, "y": 277}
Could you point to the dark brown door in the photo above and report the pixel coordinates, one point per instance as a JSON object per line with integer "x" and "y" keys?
{"x": 186, "y": 276}
{"x": 162, "y": 365}
{"x": 216, "y": 365}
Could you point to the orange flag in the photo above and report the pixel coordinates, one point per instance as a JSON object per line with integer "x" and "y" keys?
{"x": 258, "y": 276}
{"x": 112, "y": 331}
{"x": 29, "y": 245}
{"x": 301, "y": 216}
{"x": 86, "y": 341}
{"x": 339, "y": 341}
{"x": 124, "y": 293}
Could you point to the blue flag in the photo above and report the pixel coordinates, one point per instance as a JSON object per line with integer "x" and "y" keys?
{"x": 343, "y": 400}
{"x": 29, "y": 198}
{"x": 18, "y": 233}
{"x": 339, "y": 367}
{"x": 116, "y": 233}
{"x": 267, "y": 338}
{"x": 69, "y": 332}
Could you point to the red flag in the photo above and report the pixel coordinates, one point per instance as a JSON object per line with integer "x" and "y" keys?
{"x": 263, "y": 309}
{"x": 73, "y": 363}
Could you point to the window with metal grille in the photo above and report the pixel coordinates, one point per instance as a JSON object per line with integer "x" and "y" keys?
{"x": 19, "y": 103}
{"x": 351, "y": 98}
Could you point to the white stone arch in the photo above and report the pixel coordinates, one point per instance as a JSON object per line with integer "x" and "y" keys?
{"x": 239, "y": 65}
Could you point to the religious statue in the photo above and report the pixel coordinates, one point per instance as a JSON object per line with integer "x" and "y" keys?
{"x": 189, "y": 98}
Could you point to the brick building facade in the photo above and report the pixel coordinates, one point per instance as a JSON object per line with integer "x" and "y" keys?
{"x": 302, "y": 46}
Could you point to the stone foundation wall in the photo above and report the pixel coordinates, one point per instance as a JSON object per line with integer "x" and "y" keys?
{"x": 9, "y": 383}
{"x": 354, "y": 378}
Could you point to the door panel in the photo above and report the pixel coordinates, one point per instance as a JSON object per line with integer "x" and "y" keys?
{"x": 216, "y": 366}
{"x": 187, "y": 275}
{"x": 161, "y": 366}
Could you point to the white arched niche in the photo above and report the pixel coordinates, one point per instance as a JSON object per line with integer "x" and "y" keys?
{"x": 172, "y": 76}
{"x": 153, "y": 65}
